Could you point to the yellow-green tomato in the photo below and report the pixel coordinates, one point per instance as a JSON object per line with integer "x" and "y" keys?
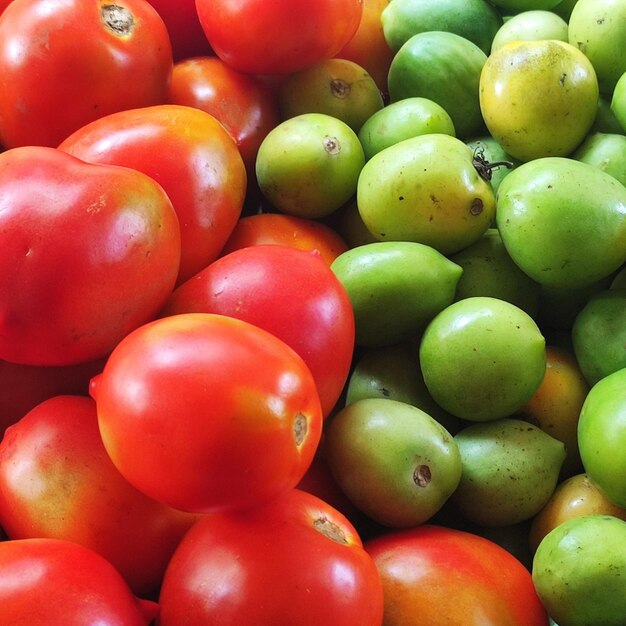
{"x": 606, "y": 151}
{"x": 393, "y": 461}
{"x": 426, "y": 189}
{"x": 598, "y": 29}
{"x": 530, "y": 26}
{"x": 395, "y": 287}
{"x": 618, "y": 101}
{"x": 482, "y": 358}
{"x": 538, "y": 98}
{"x": 309, "y": 165}
{"x": 563, "y": 221}
{"x": 602, "y": 435}
{"x": 401, "y": 120}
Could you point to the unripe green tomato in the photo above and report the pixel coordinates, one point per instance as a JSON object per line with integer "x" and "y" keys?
{"x": 482, "y": 358}
{"x": 426, "y": 189}
{"x": 309, "y": 165}
{"x": 618, "y": 101}
{"x": 396, "y": 288}
{"x": 606, "y": 151}
{"x": 530, "y": 26}
{"x": 563, "y": 221}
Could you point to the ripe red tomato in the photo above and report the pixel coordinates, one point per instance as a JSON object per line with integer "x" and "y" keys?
{"x": 290, "y": 293}
{"x": 186, "y": 34}
{"x": 439, "y": 576}
{"x": 287, "y": 230}
{"x": 280, "y": 37}
{"x": 87, "y": 253}
{"x": 190, "y": 154}
{"x": 64, "y": 64}
{"x": 80, "y": 496}
{"x": 244, "y": 104}
{"x": 206, "y": 412}
{"x": 294, "y": 560}
{"x": 53, "y": 581}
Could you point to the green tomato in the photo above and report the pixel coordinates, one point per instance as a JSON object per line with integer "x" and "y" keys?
{"x": 530, "y": 26}
{"x": 563, "y": 221}
{"x": 602, "y": 435}
{"x": 426, "y": 189}
{"x": 309, "y": 165}
{"x": 443, "y": 67}
{"x": 618, "y": 101}
{"x": 598, "y": 29}
{"x": 606, "y": 151}
{"x": 395, "y": 287}
{"x": 404, "y": 119}
{"x": 394, "y": 462}
{"x": 516, "y": 6}
{"x": 599, "y": 335}
{"x": 482, "y": 358}
{"x": 579, "y": 570}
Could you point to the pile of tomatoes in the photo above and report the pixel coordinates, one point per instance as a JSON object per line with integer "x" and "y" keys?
{"x": 208, "y": 253}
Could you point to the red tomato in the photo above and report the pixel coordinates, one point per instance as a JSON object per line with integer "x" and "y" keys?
{"x": 190, "y": 154}
{"x": 246, "y": 106}
{"x": 440, "y": 576}
{"x": 280, "y": 37}
{"x": 4, "y": 4}
{"x": 87, "y": 253}
{"x": 186, "y": 34}
{"x": 66, "y": 63}
{"x": 80, "y": 496}
{"x": 295, "y": 560}
{"x": 207, "y": 412}
{"x": 53, "y": 581}
{"x": 23, "y": 387}
{"x": 288, "y": 292}
{"x": 287, "y": 230}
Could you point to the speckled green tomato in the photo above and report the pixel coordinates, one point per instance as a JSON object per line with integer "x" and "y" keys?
{"x": 602, "y": 435}
{"x": 538, "y": 98}
{"x": 482, "y": 358}
{"x": 426, "y": 189}
{"x": 598, "y": 29}
{"x": 309, "y": 165}
{"x": 395, "y": 287}
{"x": 404, "y": 119}
{"x": 530, "y": 26}
{"x": 618, "y": 101}
{"x": 443, "y": 67}
{"x": 606, "y": 151}
{"x": 563, "y": 221}
{"x": 393, "y": 461}
{"x": 579, "y": 571}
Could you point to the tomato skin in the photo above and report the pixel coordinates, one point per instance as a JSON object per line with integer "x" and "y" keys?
{"x": 190, "y": 154}
{"x": 80, "y": 496}
{"x": 108, "y": 71}
{"x": 439, "y": 576}
{"x": 244, "y": 104}
{"x": 280, "y": 37}
{"x": 69, "y": 299}
{"x": 287, "y": 230}
{"x": 53, "y": 581}
{"x": 207, "y": 412}
{"x": 290, "y": 293}
{"x": 272, "y": 565}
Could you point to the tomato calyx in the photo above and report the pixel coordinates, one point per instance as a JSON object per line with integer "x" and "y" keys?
{"x": 485, "y": 168}
{"x": 118, "y": 19}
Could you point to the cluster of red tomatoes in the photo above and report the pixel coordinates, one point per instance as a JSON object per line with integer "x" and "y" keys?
{"x": 164, "y": 379}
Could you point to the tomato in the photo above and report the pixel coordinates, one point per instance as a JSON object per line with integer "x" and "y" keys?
{"x": 205, "y": 412}
{"x": 23, "y": 387}
{"x": 295, "y": 560}
{"x": 290, "y": 293}
{"x": 190, "y": 154}
{"x": 280, "y": 37}
{"x": 288, "y": 230}
{"x": 67, "y": 299}
{"x": 80, "y": 496}
{"x": 4, "y": 4}
{"x": 186, "y": 34}
{"x": 245, "y": 105}
{"x": 54, "y": 581}
{"x": 65, "y": 64}
{"x": 439, "y": 576}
